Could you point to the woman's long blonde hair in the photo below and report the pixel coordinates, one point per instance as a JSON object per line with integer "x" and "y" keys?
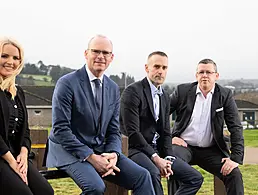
{"x": 8, "y": 83}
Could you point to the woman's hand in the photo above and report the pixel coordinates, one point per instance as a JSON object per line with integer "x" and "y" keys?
{"x": 14, "y": 165}
{"x": 8, "y": 157}
{"x": 22, "y": 160}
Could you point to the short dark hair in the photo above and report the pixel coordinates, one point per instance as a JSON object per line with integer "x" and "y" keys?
{"x": 160, "y": 53}
{"x": 209, "y": 61}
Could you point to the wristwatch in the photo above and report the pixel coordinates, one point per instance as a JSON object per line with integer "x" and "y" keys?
{"x": 170, "y": 158}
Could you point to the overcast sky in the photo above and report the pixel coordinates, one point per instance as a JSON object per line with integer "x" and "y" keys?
{"x": 57, "y": 32}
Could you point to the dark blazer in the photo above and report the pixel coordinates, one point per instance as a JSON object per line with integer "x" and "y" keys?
{"x": 137, "y": 120}
{"x": 75, "y": 135}
{"x": 4, "y": 123}
{"x": 223, "y": 107}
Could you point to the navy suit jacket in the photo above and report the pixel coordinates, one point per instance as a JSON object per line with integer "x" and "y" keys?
{"x": 75, "y": 135}
{"x": 223, "y": 108}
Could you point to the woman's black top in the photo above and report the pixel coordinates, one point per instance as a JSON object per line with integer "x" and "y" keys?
{"x": 16, "y": 120}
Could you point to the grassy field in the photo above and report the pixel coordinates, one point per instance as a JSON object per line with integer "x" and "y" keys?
{"x": 39, "y": 80}
{"x": 251, "y": 138}
{"x": 250, "y": 176}
{"x": 37, "y": 77}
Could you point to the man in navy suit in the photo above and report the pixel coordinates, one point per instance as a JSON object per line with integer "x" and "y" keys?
{"x": 85, "y": 140}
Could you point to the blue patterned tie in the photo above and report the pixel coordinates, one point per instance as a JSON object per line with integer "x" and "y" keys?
{"x": 98, "y": 96}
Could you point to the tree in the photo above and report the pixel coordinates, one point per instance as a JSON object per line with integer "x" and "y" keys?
{"x": 55, "y": 73}
{"x": 121, "y": 82}
{"x": 115, "y": 78}
{"x": 42, "y": 67}
{"x": 168, "y": 89}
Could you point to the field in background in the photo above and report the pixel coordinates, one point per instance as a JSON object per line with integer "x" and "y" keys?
{"x": 39, "y": 80}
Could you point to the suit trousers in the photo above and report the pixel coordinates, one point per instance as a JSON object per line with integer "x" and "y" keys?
{"x": 131, "y": 176}
{"x": 210, "y": 160}
{"x": 190, "y": 179}
{"x": 12, "y": 184}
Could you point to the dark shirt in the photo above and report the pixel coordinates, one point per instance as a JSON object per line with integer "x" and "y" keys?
{"x": 16, "y": 120}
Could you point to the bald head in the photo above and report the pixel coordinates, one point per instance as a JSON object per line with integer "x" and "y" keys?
{"x": 99, "y": 37}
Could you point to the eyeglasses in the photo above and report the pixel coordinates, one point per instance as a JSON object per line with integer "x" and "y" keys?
{"x": 205, "y": 72}
{"x": 98, "y": 52}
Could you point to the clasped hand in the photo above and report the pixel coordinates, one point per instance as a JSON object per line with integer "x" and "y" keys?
{"x": 105, "y": 164}
{"x": 164, "y": 166}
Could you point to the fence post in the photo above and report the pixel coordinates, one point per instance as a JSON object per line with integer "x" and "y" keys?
{"x": 38, "y": 146}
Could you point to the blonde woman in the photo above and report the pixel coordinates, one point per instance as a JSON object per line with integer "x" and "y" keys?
{"x": 17, "y": 174}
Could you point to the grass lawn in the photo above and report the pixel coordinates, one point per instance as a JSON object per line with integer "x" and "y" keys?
{"x": 67, "y": 186}
{"x": 43, "y": 83}
{"x": 39, "y": 80}
{"x": 251, "y": 138}
{"x": 37, "y": 77}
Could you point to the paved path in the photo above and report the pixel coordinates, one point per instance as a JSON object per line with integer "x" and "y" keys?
{"x": 251, "y": 155}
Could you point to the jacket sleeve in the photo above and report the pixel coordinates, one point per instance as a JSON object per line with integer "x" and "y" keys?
{"x": 113, "y": 134}
{"x": 173, "y": 101}
{"x": 130, "y": 103}
{"x": 167, "y": 145}
{"x": 26, "y": 137}
{"x": 3, "y": 147}
{"x": 235, "y": 128}
{"x": 62, "y": 106}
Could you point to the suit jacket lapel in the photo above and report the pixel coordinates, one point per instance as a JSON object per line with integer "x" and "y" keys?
{"x": 22, "y": 101}
{"x": 86, "y": 87}
{"x": 162, "y": 108}
{"x": 105, "y": 100}
{"x": 191, "y": 98}
{"x": 148, "y": 95}
{"x": 214, "y": 102}
{"x": 5, "y": 111}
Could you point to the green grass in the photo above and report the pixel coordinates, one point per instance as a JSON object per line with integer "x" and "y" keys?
{"x": 43, "y": 83}
{"x": 251, "y": 138}
{"x": 250, "y": 177}
{"x": 37, "y": 77}
{"x": 39, "y": 80}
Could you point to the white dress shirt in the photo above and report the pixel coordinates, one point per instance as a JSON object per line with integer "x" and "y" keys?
{"x": 155, "y": 98}
{"x": 92, "y": 78}
{"x": 198, "y": 132}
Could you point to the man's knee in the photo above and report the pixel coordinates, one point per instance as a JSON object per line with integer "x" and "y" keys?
{"x": 155, "y": 175}
{"x": 155, "y": 172}
{"x": 182, "y": 152}
{"x": 96, "y": 188}
{"x": 198, "y": 179}
{"x": 144, "y": 174}
{"x": 235, "y": 174}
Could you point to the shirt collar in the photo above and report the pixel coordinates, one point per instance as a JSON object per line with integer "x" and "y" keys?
{"x": 198, "y": 90}
{"x": 154, "y": 89}
{"x": 92, "y": 76}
